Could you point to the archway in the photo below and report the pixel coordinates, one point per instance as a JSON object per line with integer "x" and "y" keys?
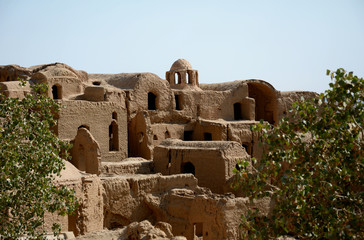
{"x": 265, "y": 101}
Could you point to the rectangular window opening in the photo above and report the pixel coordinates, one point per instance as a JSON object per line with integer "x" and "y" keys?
{"x": 188, "y": 136}
{"x": 177, "y": 99}
{"x": 207, "y": 136}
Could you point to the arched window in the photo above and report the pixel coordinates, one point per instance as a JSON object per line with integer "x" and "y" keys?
{"x": 152, "y": 101}
{"x": 188, "y": 167}
{"x": 177, "y": 78}
{"x": 114, "y": 116}
{"x": 113, "y": 137}
{"x": 237, "y": 111}
{"x": 189, "y": 78}
{"x": 57, "y": 92}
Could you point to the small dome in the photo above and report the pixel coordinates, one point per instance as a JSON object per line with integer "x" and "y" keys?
{"x": 181, "y": 64}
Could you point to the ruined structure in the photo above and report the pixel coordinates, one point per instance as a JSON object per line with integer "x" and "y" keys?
{"x": 147, "y": 148}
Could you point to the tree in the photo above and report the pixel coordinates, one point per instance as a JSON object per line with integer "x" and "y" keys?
{"x": 31, "y": 156}
{"x": 313, "y": 168}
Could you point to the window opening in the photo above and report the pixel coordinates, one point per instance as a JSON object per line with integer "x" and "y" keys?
{"x": 188, "y": 167}
{"x": 237, "y": 111}
{"x": 152, "y": 101}
{"x": 177, "y": 100}
{"x": 189, "y": 80}
{"x": 96, "y": 83}
{"x": 113, "y": 137}
{"x": 115, "y": 116}
{"x": 56, "y": 92}
{"x": 207, "y": 136}
{"x": 177, "y": 78}
{"x": 167, "y": 135}
{"x": 188, "y": 136}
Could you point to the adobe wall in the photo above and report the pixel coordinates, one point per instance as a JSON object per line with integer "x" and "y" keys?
{"x": 176, "y": 199}
{"x": 128, "y": 166}
{"x": 289, "y": 97}
{"x": 97, "y": 117}
{"x": 198, "y": 214}
{"x": 62, "y": 80}
{"x": 88, "y": 189}
{"x": 210, "y": 104}
{"x": 125, "y": 196}
{"x": 12, "y": 89}
{"x": 211, "y": 162}
{"x": 13, "y": 73}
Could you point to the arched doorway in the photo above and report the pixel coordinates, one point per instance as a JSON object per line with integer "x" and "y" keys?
{"x": 265, "y": 101}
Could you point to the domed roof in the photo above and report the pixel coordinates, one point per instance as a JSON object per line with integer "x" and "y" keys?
{"x": 181, "y": 64}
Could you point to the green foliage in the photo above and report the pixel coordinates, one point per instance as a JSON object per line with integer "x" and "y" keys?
{"x": 30, "y": 158}
{"x": 313, "y": 168}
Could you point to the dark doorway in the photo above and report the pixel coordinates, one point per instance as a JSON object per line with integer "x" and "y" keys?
{"x": 113, "y": 137}
{"x": 177, "y": 100}
{"x": 237, "y": 111}
{"x": 207, "y": 136}
{"x": 152, "y": 101}
{"x": 56, "y": 92}
{"x": 188, "y": 167}
{"x": 188, "y": 136}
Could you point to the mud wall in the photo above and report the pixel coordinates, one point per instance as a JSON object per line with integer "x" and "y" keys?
{"x": 102, "y": 119}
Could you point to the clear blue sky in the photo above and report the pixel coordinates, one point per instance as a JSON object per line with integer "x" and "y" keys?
{"x": 287, "y": 43}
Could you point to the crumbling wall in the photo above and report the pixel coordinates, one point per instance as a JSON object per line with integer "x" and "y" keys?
{"x": 197, "y": 213}
{"x": 14, "y": 73}
{"x": 14, "y": 90}
{"x": 125, "y": 196}
{"x": 88, "y": 190}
